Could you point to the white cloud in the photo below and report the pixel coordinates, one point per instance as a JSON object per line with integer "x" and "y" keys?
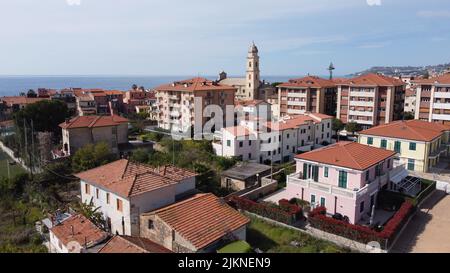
{"x": 434, "y": 13}
{"x": 73, "y": 2}
{"x": 374, "y": 2}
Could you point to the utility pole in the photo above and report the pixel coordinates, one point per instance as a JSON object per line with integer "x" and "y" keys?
{"x": 33, "y": 151}
{"x": 9, "y": 173}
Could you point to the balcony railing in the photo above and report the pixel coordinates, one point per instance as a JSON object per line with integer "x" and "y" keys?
{"x": 369, "y": 188}
{"x": 439, "y": 150}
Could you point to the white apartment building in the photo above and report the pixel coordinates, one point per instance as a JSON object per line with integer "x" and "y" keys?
{"x": 433, "y": 99}
{"x": 122, "y": 190}
{"x": 273, "y": 141}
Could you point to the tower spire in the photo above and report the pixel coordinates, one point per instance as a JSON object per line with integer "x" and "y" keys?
{"x": 331, "y": 68}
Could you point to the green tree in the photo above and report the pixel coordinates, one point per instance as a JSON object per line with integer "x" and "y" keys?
{"x": 353, "y": 127}
{"x": 46, "y": 116}
{"x": 91, "y": 156}
{"x": 31, "y": 94}
{"x": 408, "y": 116}
{"x": 337, "y": 125}
{"x": 92, "y": 213}
{"x": 140, "y": 155}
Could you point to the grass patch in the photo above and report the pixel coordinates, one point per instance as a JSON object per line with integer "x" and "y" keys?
{"x": 14, "y": 169}
{"x": 275, "y": 239}
{"x": 236, "y": 247}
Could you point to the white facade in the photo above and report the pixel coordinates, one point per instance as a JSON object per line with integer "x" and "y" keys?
{"x": 275, "y": 145}
{"x": 125, "y": 221}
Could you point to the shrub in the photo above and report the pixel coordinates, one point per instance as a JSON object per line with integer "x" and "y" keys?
{"x": 287, "y": 215}
{"x": 318, "y": 219}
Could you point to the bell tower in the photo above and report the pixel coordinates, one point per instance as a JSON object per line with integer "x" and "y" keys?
{"x": 252, "y": 76}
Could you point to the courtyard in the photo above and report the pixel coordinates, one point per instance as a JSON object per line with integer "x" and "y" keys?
{"x": 428, "y": 231}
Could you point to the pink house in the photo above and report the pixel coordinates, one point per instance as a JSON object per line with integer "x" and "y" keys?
{"x": 344, "y": 177}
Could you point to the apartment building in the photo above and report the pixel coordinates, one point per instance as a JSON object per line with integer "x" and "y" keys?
{"x": 277, "y": 142}
{"x": 370, "y": 100}
{"x": 200, "y": 224}
{"x": 419, "y": 145}
{"x": 433, "y": 99}
{"x": 136, "y": 99}
{"x": 308, "y": 94}
{"x": 177, "y": 107}
{"x": 122, "y": 190}
{"x": 83, "y": 130}
{"x": 410, "y": 100}
{"x": 86, "y": 104}
{"x": 344, "y": 177}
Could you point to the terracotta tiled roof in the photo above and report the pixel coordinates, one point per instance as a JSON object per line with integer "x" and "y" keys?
{"x": 371, "y": 79}
{"x": 93, "y": 121}
{"x": 10, "y": 101}
{"x": 128, "y": 244}
{"x": 79, "y": 229}
{"x": 114, "y": 92}
{"x": 202, "y": 219}
{"x": 238, "y": 131}
{"x": 248, "y": 102}
{"x": 195, "y": 84}
{"x": 309, "y": 81}
{"x": 297, "y": 120}
{"x": 410, "y": 129}
{"x": 127, "y": 178}
{"x": 348, "y": 155}
{"x": 444, "y": 79}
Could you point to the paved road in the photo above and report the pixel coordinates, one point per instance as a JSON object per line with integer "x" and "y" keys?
{"x": 429, "y": 230}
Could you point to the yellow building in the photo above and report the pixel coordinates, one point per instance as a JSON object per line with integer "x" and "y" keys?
{"x": 419, "y": 144}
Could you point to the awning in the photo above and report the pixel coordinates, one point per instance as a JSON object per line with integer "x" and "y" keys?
{"x": 399, "y": 177}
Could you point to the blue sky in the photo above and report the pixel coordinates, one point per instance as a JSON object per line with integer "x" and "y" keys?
{"x": 179, "y": 37}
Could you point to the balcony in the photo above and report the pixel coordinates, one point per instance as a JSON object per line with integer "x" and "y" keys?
{"x": 361, "y": 103}
{"x": 438, "y": 105}
{"x": 438, "y": 151}
{"x": 445, "y": 95}
{"x": 441, "y": 117}
{"x": 327, "y": 188}
{"x": 361, "y": 113}
{"x": 299, "y": 103}
{"x": 362, "y": 94}
{"x": 174, "y": 97}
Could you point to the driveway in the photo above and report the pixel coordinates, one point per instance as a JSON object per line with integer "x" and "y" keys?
{"x": 429, "y": 230}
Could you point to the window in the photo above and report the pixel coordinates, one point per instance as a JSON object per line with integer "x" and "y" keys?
{"x": 411, "y": 163}
{"x": 287, "y": 135}
{"x": 287, "y": 147}
{"x": 249, "y": 156}
{"x": 361, "y": 206}
{"x": 97, "y": 193}
{"x": 150, "y": 224}
{"x": 397, "y": 146}
{"x": 241, "y": 144}
{"x": 87, "y": 189}
{"x": 119, "y": 205}
{"x": 313, "y": 199}
{"x": 343, "y": 179}
{"x": 228, "y": 143}
{"x": 325, "y": 172}
{"x": 383, "y": 143}
{"x": 370, "y": 140}
{"x": 412, "y": 146}
{"x": 107, "y": 198}
{"x": 249, "y": 143}
{"x": 322, "y": 201}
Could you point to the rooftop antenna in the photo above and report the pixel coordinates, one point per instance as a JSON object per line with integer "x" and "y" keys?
{"x": 331, "y": 68}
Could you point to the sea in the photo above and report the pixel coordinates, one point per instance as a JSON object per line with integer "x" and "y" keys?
{"x": 13, "y": 85}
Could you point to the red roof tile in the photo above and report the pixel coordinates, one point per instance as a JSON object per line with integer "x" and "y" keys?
{"x": 127, "y": 178}
{"x": 93, "y": 121}
{"x": 202, "y": 219}
{"x": 371, "y": 79}
{"x": 10, "y": 101}
{"x": 348, "y": 155}
{"x": 128, "y": 244}
{"x": 444, "y": 79}
{"x": 309, "y": 81}
{"x": 195, "y": 84}
{"x": 295, "y": 121}
{"x": 410, "y": 129}
{"x": 78, "y": 228}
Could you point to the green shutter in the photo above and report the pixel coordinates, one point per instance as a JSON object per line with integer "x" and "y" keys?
{"x": 343, "y": 179}
{"x": 305, "y": 170}
{"x": 397, "y": 146}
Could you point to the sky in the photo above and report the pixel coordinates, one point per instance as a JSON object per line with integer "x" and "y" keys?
{"x": 204, "y": 37}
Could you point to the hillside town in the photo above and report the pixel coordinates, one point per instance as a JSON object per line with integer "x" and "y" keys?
{"x": 222, "y": 165}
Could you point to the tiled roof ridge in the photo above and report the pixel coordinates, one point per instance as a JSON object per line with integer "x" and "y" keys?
{"x": 102, "y": 166}
{"x": 197, "y": 196}
{"x": 95, "y": 121}
{"x": 350, "y": 155}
